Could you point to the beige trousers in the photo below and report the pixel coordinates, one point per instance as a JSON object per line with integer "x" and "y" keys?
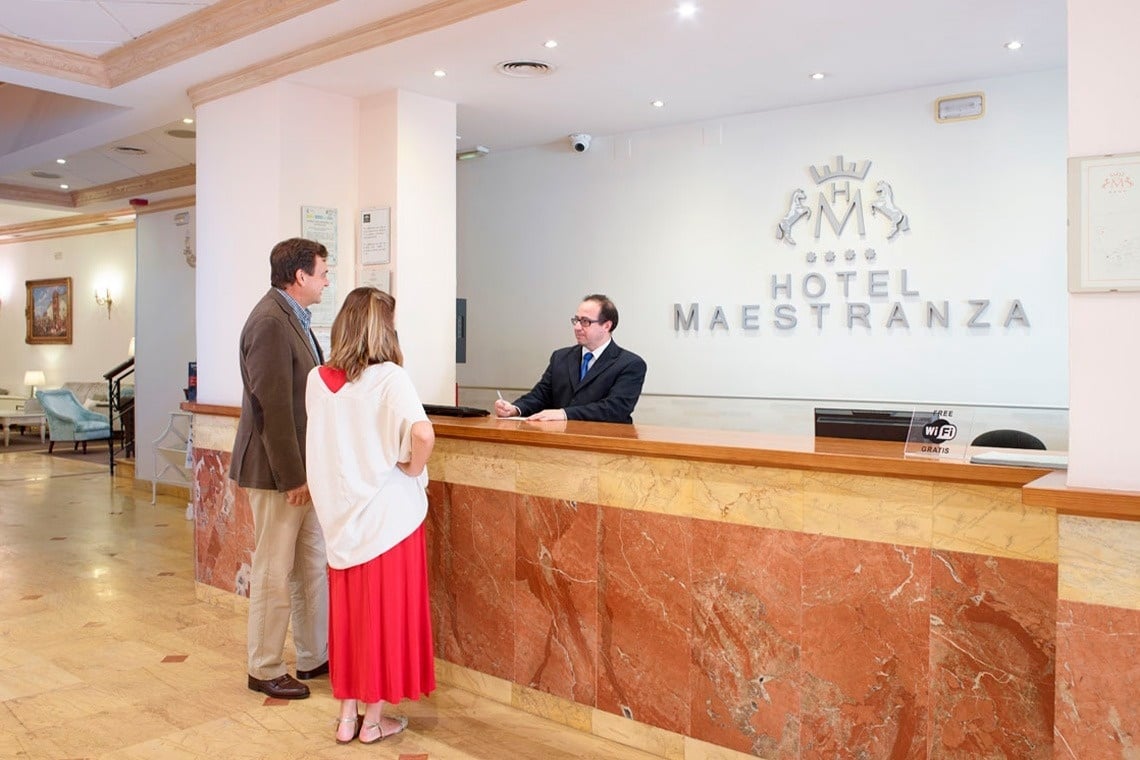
{"x": 289, "y": 580}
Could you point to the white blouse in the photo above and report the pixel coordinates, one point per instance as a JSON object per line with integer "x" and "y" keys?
{"x": 365, "y": 504}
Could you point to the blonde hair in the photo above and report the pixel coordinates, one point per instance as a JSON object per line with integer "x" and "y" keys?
{"x": 364, "y": 332}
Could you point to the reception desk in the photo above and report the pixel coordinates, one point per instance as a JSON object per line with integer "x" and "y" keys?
{"x": 706, "y": 594}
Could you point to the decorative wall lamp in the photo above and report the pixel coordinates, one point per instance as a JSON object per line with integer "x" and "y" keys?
{"x": 32, "y": 378}
{"x": 103, "y": 298}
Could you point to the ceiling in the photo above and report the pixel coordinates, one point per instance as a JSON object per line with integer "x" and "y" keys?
{"x": 80, "y": 78}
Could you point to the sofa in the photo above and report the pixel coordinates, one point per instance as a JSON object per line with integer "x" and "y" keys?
{"x": 88, "y": 394}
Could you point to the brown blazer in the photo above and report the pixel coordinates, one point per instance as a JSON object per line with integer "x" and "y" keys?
{"x": 269, "y": 451}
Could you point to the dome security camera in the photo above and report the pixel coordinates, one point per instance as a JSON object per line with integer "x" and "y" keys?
{"x": 580, "y": 143}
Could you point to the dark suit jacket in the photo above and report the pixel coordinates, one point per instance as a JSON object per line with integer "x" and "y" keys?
{"x": 269, "y": 451}
{"x": 607, "y": 393}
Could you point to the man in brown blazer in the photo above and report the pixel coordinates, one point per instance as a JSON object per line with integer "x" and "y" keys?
{"x": 277, "y": 351}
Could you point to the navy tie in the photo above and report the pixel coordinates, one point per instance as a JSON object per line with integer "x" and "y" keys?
{"x": 586, "y": 357}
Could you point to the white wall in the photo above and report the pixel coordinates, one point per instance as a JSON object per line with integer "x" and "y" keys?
{"x": 407, "y": 156}
{"x": 99, "y": 343}
{"x": 164, "y": 331}
{"x": 688, "y": 214}
{"x": 1103, "y": 361}
{"x": 254, "y": 175}
{"x": 310, "y": 148}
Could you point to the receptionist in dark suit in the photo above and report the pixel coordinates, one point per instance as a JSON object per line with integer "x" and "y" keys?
{"x": 595, "y": 380}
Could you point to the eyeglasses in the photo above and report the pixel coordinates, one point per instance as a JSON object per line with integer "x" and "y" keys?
{"x": 584, "y": 321}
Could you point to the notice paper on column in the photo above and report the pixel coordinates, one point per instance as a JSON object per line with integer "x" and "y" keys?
{"x": 375, "y": 236}
{"x": 381, "y": 279}
{"x": 319, "y": 223}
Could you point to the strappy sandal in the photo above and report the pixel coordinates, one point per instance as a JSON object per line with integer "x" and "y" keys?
{"x": 401, "y": 719}
{"x": 358, "y": 720}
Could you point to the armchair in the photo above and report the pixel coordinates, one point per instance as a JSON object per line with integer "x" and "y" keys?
{"x": 68, "y": 420}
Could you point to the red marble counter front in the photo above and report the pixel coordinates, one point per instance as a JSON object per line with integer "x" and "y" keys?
{"x": 766, "y": 596}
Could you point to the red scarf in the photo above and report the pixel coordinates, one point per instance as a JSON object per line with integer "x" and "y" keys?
{"x": 334, "y": 378}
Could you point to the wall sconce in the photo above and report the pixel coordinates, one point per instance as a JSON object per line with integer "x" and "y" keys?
{"x": 131, "y": 348}
{"x": 32, "y": 378}
{"x": 103, "y": 298}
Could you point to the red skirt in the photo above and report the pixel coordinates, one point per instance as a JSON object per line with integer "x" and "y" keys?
{"x": 380, "y": 646}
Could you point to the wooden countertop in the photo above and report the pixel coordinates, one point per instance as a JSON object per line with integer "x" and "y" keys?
{"x": 1052, "y": 491}
{"x": 883, "y": 458}
{"x": 1040, "y": 487}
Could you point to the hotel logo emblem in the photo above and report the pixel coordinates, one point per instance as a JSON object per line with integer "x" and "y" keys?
{"x": 836, "y": 191}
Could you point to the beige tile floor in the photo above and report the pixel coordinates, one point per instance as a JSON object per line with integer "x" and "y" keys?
{"x": 106, "y": 653}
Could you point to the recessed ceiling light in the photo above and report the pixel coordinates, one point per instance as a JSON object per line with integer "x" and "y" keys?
{"x": 188, "y": 120}
{"x": 818, "y": 75}
{"x": 439, "y": 73}
{"x": 1013, "y": 45}
{"x": 550, "y": 44}
{"x": 657, "y": 103}
{"x": 64, "y": 187}
{"x": 61, "y": 160}
{"x": 687, "y": 10}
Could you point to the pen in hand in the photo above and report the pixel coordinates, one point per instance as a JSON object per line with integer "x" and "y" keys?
{"x": 505, "y": 404}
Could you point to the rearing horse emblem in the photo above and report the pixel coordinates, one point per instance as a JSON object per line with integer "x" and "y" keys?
{"x": 885, "y": 205}
{"x": 796, "y": 211}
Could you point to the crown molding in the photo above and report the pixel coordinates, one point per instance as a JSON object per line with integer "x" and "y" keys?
{"x": 426, "y": 18}
{"x": 71, "y": 233}
{"x": 183, "y": 38}
{"x": 43, "y": 59}
{"x": 65, "y": 226}
{"x": 38, "y": 196}
{"x": 183, "y": 201}
{"x": 169, "y": 179}
{"x": 64, "y": 222}
{"x": 197, "y": 33}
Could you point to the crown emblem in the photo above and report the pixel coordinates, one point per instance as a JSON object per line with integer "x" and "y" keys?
{"x": 852, "y": 170}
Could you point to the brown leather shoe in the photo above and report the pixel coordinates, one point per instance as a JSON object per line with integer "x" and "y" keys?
{"x": 320, "y": 670}
{"x": 282, "y": 687}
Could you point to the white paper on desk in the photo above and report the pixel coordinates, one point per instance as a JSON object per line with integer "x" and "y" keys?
{"x": 1022, "y": 459}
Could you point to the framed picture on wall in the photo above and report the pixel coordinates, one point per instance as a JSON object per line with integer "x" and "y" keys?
{"x": 1104, "y": 223}
{"x": 49, "y": 311}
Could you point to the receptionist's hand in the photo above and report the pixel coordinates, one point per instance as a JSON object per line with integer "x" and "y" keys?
{"x": 548, "y": 415}
{"x": 505, "y": 409}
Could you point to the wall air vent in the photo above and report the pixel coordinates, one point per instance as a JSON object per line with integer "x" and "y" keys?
{"x": 129, "y": 150}
{"x": 524, "y": 69}
{"x": 46, "y": 175}
{"x": 185, "y": 134}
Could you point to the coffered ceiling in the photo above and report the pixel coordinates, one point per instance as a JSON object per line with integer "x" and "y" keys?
{"x": 83, "y": 79}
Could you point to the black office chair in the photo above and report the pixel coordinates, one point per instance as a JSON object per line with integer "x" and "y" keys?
{"x": 1009, "y": 439}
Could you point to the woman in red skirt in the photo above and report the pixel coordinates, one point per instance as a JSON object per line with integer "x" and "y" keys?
{"x": 367, "y": 445}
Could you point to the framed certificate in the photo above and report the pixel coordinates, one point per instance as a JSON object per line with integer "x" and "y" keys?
{"x": 1104, "y": 223}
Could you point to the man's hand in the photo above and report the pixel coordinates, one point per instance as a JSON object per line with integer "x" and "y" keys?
{"x": 505, "y": 408}
{"x": 299, "y": 496}
{"x": 549, "y": 415}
